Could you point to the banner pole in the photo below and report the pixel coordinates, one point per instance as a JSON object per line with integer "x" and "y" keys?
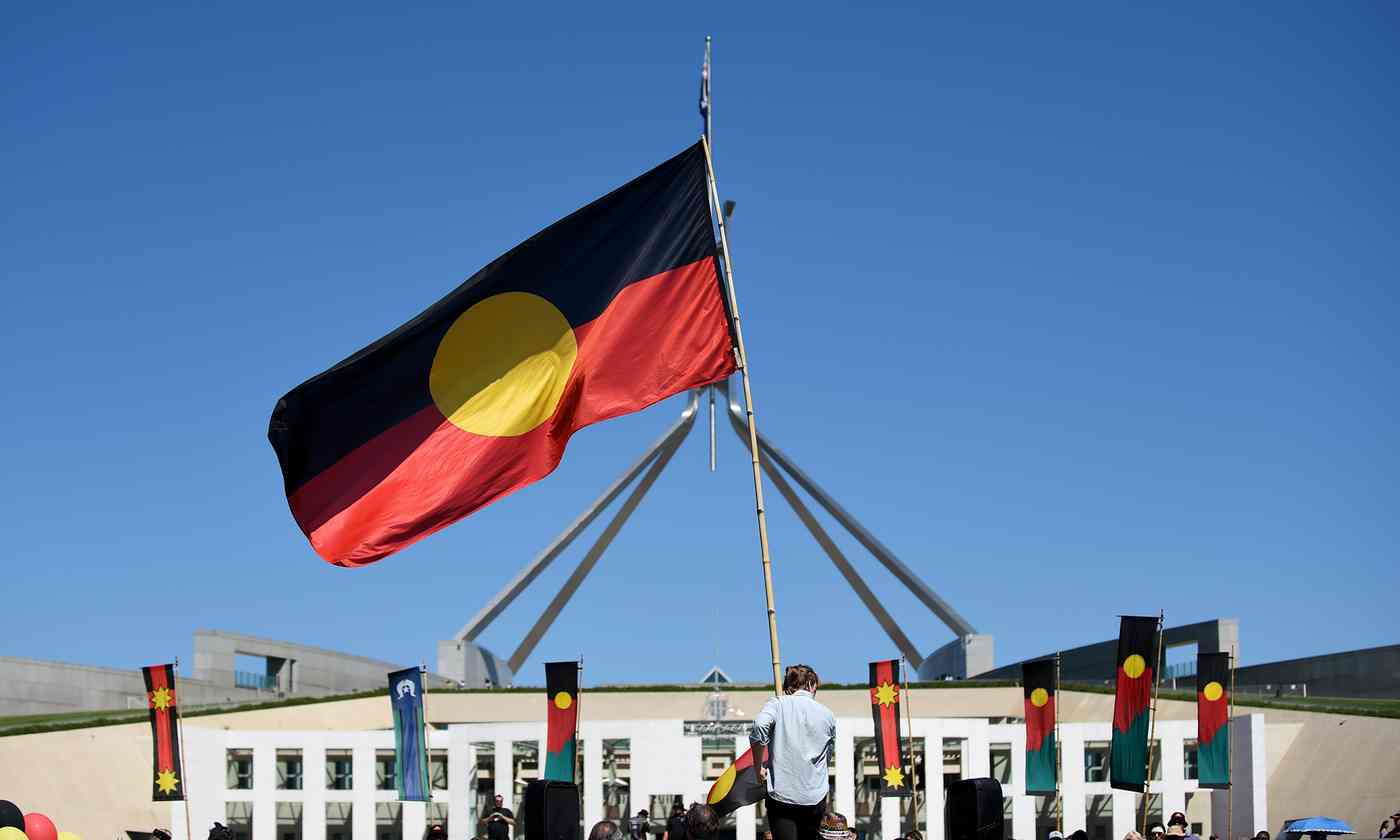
{"x": 743, "y": 360}
{"x": 1059, "y": 753}
{"x": 913, "y": 759}
{"x": 427, "y": 772}
{"x": 180, "y": 724}
{"x": 1152, "y": 724}
{"x": 1229, "y": 754}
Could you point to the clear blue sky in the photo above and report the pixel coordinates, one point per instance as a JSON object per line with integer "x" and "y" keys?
{"x": 1084, "y": 310}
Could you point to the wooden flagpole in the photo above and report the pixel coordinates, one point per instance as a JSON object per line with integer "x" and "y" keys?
{"x": 1059, "y": 754}
{"x": 180, "y": 724}
{"x": 913, "y": 759}
{"x": 1152, "y": 724}
{"x": 743, "y": 362}
{"x": 1229, "y": 754}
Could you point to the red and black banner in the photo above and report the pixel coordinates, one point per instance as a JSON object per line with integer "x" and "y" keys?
{"x": 1213, "y": 720}
{"x": 1138, "y": 645}
{"x": 737, "y": 787}
{"x": 561, "y": 721}
{"x": 1038, "y": 679}
{"x": 884, "y": 711}
{"x": 613, "y": 308}
{"x": 167, "y": 784}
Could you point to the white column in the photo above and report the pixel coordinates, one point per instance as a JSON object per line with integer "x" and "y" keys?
{"x": 933, "y": 748}
{"x": 1073, "y": 795}
{"x": 313, "y": 789}
{"x": 461, "y": 770}
{"x": 415, "y": 820}
{"x": 264, "y": 784}
{"x": 889, "y": 818}
{"x": 744, "y": 818}
{"x": 1173, "y": 773}
{"x": 592, "y": 781}
{"x": 845, "y": 772}
{"x": 1125, "y": 812}
{"x": 504, "y": 773}
{"x": 362, "y": 791}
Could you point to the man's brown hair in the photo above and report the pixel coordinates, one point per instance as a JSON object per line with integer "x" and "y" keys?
{"x": 800, "y": 677}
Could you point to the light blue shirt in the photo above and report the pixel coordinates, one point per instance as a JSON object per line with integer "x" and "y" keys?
{"x": 800, "y": 734}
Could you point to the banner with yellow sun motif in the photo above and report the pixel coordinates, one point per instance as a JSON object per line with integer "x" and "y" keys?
{"x": 1213, "y": 719}
{"x": 561, "y": 721}
{"x": 166, "y": 782}
{"x": 884, "y": 711}
{"x": 1138, "y": 646}
{"x": 1042, "y": 766}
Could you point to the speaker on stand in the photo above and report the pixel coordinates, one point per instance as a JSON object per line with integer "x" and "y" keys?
{"x": 972, "y": 810}
{"x": 551, "y": 810}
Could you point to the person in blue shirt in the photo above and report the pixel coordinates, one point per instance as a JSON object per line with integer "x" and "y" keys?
{"x": 793, "y": 736}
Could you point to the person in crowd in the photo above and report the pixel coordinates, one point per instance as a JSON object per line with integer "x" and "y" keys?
{"x": 1156, "y": 832}
{"x": 1394, "y": 826}
{"x": 767, "y": 835}
{"x": 221, "y": 832}
{"x": 435, "y": 832}
{"x": 1262, "y": 835}
{"x": 796, "y": 734}
{"x": 640, "y": 826}
{"x": 1215, "y": 837}
{"x": 1178, "y": 827}
{"x": 605, "y": 830}
{"x": 675, "y": 825}
{"x": 701, "y": 822}
{"x": 1054, "y": 835}
{"x": 833, "y": 826}
{"x": 1132, "y": 835}
{"x": 499, "y": 820}
{"x": 1079, "y": 834}
{"x": 159, "y": 834}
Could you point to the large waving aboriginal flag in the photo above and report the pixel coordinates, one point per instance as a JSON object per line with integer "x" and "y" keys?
{"x": 167, "y": 784}
{"x": 561, "y": 722}
{"x": 737, "y": 787}
{"x": 1132, "y": 703}
{"x": 1213, "y": 719}
{"x": 603, "y": 313}
{"x": 884, "y": 711}
{"x": 1038, "y": 679}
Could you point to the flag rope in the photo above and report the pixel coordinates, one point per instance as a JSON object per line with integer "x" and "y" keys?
{"x": 743, "y": 360}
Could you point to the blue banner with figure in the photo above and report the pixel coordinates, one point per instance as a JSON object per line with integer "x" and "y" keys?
{"x": 410, "y": 736}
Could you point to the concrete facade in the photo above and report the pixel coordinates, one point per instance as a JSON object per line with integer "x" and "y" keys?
{"x": 964, "y": 657}
{"x": 32, "y": 687}
{"x": 1371, "y": 672}
{"x": 1099, "y": 662}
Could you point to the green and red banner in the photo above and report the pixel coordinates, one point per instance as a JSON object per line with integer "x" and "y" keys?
{"x": 1132, "y": 702}
{"x": 561, "y": 721}
{"x": 1038, "y": 681}
{"x": 737, "y": 787}
{"x": 884, "y": 712}
{"x": 605, "y": 312}
{"x": 167, "y": 784}
{"x": 1213, "y": 720}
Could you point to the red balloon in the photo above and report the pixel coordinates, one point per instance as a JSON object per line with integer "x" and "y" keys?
{"x": 39, "y": 827}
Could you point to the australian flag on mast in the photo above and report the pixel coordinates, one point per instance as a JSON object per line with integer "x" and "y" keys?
{"x": 410, "y": 737}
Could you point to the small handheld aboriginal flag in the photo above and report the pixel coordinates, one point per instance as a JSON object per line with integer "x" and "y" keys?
{"x": 737, "y": 787}
{"x": 561, "y": 731}
{"x": 167, "y": 784}
{"x": 603, "y": 313}
{"x": 1038, "y": 679}
{"x": 1132, "y": 702}
{"x": 410, "y": 748}
{"x": 1213, "y": 719}
{"x": 884, "y": 711}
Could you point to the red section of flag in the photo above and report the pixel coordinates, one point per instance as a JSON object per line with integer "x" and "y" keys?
{"x": 1134, "y": 697}
{"x": 559, "y": 726}
{"x": 1211, "y": 715}
{"x": 658, "y": 337}
{"x": 1040, "y": 723}
{"x": 889, "y": 722}
{"x": 165, "y": 750}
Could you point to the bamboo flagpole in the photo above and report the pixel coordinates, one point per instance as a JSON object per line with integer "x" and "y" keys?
{"x": 913, "y": 759}
{"x": 1152, "y": 724}
{"x": 180, "y": 724}
{"x": 1230, "y": 754}
{"x": 743, "y": 362}
{"x": 1059, "y": 754}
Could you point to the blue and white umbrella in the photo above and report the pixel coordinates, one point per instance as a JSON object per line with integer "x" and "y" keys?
{"x": 1314, "y": 827}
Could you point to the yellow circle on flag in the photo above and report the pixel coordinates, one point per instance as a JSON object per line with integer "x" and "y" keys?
{"x": 1039, "y": 697}
{"x": 563, "y": 700}
{"x": 722, "y": 785}
{"x": 502, "y": 366}
{"x": 12, "y": 833}
{"x": 1134, "y": 665}
{"x": 1213, "y": 691}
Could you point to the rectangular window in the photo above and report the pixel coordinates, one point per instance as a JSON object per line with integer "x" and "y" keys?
{"x": 1190, "y": 750}
{"x": 289, "y": 820}
{"x": 437, "y": 815}
{"x": 1154, "y": 749}
{"x": 289, "y": 769}
{"x": 340, "y": 770}
{"x": 716, "y": 754}
{"x": 437, "y": 769}
{"x": 238, "y": 816}
{"x": 1098, "y": 816}
{"x": 1096, "y": 761}
{"x": 484, "y": 792}
{"x": 915, "y": 748}
{"x": 1047, "y": 815}
{"x": 1001, "y": 763}
{"x": 527, "y": 767}
{"x": 340, "y": 818}
{"x": 384, "y": 770}
{"x": 388, "y": 820}
{"x": 239, "y": 775}
{"x": 617, "y": 778}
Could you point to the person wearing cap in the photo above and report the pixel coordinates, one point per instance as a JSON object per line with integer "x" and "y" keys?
{"x": 833, "y": 826}
{"x": 796, "y": 735}
{"x": 1156, "y": 832}
{"x": 640, "y": 825}
{"x": 1178, "y": 827}
{"x": 1054, "y": 835}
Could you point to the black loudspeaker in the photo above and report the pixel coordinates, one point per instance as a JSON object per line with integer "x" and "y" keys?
{"x": 972, "y": 810}
{"x": 550, "y": 810}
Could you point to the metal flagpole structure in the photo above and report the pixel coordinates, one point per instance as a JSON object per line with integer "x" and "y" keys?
{"x": 180, "y": 724}
{"x": 1059, "y": 753}
{"x": 1152, "y": 724}
{"x": 765, "y": 458}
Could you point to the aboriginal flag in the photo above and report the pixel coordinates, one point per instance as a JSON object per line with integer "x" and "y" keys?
{"x": 884, "y": 711}
{"x": 1137, "y": 657}
{"x": 737, "y": 787}
{"x": 605, "y": 312}
{"x": 1038, "y": 680}
{"x": 166, "y": 782}
{"x": 1213, "y": 719}
{"x": 561, "y": 731}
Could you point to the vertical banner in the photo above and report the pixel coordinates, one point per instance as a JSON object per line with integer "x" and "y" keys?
{"x": 1132, "y": 703}
{"x": 167, "y": 786}
{"x": 1213, "y": 720}
{"x": 884, "y": 711}
{"x": 410, "y": 737}
{"x": 1038, "y": 680}
{"x": 561, "y": 689}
